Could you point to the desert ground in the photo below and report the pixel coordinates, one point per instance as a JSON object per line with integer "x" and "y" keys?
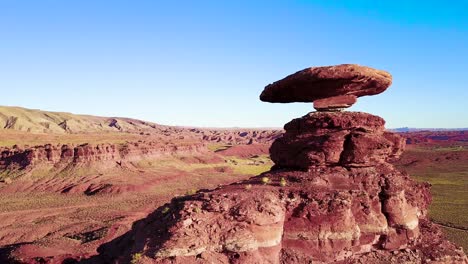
{"x": 440, "y": 158}
{"x": 68, "y": 187}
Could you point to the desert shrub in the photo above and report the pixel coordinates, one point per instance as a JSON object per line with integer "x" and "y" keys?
{"x": 136, "y": 258}
{"x": 165, "y": 210}
{"x": 191, "y": 192}
{"x": 283, "y": 182}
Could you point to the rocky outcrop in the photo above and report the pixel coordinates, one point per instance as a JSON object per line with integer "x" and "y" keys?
{"x": 10, "y": 122}
{"x": 19, "y": 158}
{"x": 347, "y": 139}
{"x": 238, "y": 137}
{"x": 115, "y": 123}
{"x": 326, "y": 213}
{"x": 332, "y": 196}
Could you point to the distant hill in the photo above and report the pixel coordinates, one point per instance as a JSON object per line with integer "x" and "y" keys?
{"x": 38, "y": 121}
{"x": 410, "y": 129}
{"x": 22, "y": 126}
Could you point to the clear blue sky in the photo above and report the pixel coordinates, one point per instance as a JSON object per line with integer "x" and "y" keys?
{"x": 204, "y": 63}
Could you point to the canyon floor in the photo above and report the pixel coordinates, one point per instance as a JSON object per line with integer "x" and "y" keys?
{"x": 444, "y": 164}
{"x": 54, "y": 204}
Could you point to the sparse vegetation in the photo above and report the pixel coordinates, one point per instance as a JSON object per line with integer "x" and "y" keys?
{"x": 89, "y": 236}
{"x": 9, "y": 138}
{"x": 451, "y": 148}
{"x": 136, "y": 258}
{"x": 191, "y": 192}
{"x": 265, "y": 180}
{"x": 283, "y": 182}
{"x": 166, "y": 210}
{"x": 449, "y": 180}
{"x": 7, "y": 176}
{"x": 251, "y": 166}
{"x": 248, "y": 166}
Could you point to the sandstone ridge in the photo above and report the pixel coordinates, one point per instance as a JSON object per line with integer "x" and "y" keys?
{"x": 63, "y": 155}
{"x": 39, "y": 127}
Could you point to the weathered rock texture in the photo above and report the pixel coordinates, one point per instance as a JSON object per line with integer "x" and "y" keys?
{"x": 332, "y": 196}
{"x": 347, "y": 139}
{"x": 316, "y": 83}
{"x": 335, "y": 103}
{"x": 62, "y": 155}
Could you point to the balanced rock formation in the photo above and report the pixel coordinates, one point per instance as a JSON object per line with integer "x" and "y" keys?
{"x": 331, "y": 87}
{"x": 332, "y": 196}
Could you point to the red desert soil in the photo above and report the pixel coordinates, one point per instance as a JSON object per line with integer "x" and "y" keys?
{"x": 441, "y": 158}
{"x": 246, "y": 151}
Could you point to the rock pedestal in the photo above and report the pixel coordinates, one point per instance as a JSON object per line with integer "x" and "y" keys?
{"x": 335, "y": 103}
{"x": 332, "y": 196}
{"x": 348, "y": 139}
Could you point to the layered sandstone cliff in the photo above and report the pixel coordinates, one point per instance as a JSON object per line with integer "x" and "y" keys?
{"x": 59, "y": 155}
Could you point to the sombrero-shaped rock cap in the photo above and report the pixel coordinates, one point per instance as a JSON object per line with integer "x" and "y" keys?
{"x": 336, "y": 86}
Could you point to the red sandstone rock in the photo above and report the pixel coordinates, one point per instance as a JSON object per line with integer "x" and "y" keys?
{"x": 337, "y": 121}
{"x": 398, "y": 145}
{"x": 347, "y": 204}
{"x": 331, "y": 197}
{"x": 335, "y": 103}
{"x": 86, "y": 153}
{"x": 326, "y": 214}
{"x": 364, "y": 149}
{"x": 316, "y": 83}
{"x": 326, "y": 138}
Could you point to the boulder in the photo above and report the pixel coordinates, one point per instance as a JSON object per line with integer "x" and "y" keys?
{"x": 316, "y": 83}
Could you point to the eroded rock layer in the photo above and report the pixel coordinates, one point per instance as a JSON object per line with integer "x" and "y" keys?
{"x": 332, "y": 197}
{"x": 349, "y": 139}
{"x": 22, "y": 158}
{"x": 335, "y": 103}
